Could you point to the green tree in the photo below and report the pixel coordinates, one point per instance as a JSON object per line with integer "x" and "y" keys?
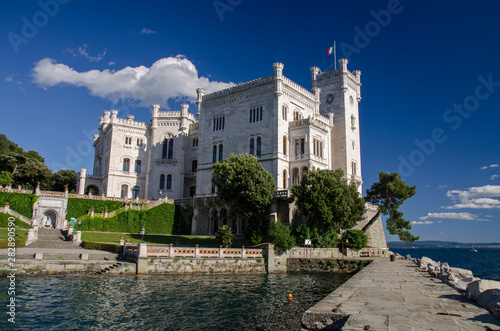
{"x": 32, "y": 172}
{"x": 6, "y": 178}
{"x": 64, "y": 178}
{"x": 328, "y": 201}
{"x": 281, "y": 236}
{"x": 225, "y": 236}
{"x": 355, "y": 239}
{"x": 247, "y": 187}
{"x": 388, "y": 194}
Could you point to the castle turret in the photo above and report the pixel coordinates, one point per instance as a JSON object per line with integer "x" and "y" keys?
{"x": 314, "y": 75}
{"x": 201, "y": 93}
{"x": 278, "y": 77}
{"x": 184, "y": 116}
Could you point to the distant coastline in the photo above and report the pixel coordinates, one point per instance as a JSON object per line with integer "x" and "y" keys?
{"x": 440, "y": 244}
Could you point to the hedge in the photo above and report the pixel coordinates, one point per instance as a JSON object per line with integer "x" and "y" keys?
{"x": 157, "y": 220}
{"x": 79, "y": 207}
{"x": 22, "y": 203}
{"x": 115, "y": 248}
{"x": 4, "y": 222}
{"x": 20, "y": 242}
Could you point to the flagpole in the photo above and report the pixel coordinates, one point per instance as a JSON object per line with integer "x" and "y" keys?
{"x": 335, "y": 54}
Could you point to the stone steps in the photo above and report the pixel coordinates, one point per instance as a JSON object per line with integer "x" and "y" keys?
{"x": 52, "y": 238}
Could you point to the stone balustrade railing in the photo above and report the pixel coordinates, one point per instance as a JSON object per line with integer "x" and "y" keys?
{"x": 145, "y": 251}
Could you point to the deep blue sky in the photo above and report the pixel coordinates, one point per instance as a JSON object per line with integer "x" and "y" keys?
{"x": 418, "y": 59}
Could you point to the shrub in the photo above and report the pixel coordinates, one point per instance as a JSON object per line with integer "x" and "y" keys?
{"x": 157, "y": 220}
{"x": 281, "y": 236}
{"x": 4, "y": 222}
{"x": 256, "y": 236}
{"x": 302, "y": 232}
{"x": 20, "y": 242}
{"x": 326, "y": 239}
{"x": 225, "y": 236}
{"x": 22, "y": 203}
{"x": 355, "y": 239}
{"x": 80, "y": 207}
{"x": 115, "y": 248}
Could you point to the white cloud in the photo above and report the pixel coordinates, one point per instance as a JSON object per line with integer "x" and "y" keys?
{"x": 422, "y": 222}
{"x": 481, "y": 203}
{"x": 148, "y": 31}
{"x": 490, "y": 166}
{"x": 82, "y": 50}
{"x": 475, "y": 192}
{"x": 10, "y": 78}
{"x": 111, "y": 63}
{"x": 455, "y": 216}
{"x": 442, "y": 186}
{"x": 494, "y": 177}
{"x": 167, "y": 78}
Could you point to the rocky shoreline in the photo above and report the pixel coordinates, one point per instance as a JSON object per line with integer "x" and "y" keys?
{"x": 486, "y": 293}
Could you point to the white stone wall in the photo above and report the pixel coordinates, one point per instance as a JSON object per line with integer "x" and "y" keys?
{"x": 324, "y": 120}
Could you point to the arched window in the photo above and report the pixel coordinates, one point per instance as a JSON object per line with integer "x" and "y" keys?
{"x": 162, "y": 182}
{"x": 170, "y": 149}
{"x": 252, "y": 146}
{"x": 124, "y": 191}
{"x": 165, "y": 148}
{"x": 194, "y": 165}
{"x": 284, "y": 111}
{"x": 214, "y": 154}
{"x": 138, "y": 166}
{"x": 285, "y": 179}
{"x": 295, "y": 176}
{"x": 169, "y": 182}
{"x": 259, "y": 146}
{"x": 353, "y": 166}
{"x": 221, "y": 153}
{"x": 135, "y": 192}
{"x": 284, "y": 145}
{"x": 126, "y": 164}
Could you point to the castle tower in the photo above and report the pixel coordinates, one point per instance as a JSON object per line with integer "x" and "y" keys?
{"x": 340, "y": 95}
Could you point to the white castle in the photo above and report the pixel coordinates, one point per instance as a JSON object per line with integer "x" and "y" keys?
{"x": 289, "y": 128}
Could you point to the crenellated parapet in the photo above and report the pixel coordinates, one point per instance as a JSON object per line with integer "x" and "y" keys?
{"x": 238, "y": 88}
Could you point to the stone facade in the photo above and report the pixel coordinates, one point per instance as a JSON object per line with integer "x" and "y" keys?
{"x": 289, "y": 128}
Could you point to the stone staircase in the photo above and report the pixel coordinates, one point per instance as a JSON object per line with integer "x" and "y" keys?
{"x": 52, "y": 238}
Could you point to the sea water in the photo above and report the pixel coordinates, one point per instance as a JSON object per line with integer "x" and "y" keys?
{"x": 206, "y": 302}
{"x": 485, "y": 263}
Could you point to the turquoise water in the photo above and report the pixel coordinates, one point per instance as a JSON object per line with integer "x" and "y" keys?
{"x": 236, "y": 302}
{"x": 485, "y": 263}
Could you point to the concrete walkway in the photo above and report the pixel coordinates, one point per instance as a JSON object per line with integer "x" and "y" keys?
{"x": 397, "y": 296}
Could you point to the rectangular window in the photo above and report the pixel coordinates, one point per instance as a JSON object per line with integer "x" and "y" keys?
{"x": 140, "y": 142}
{"x": 138, "y": 166}
{"x": 302, "y": 145}
{"x": 219, "y": 123}
{"x": 296, "y": 146}
{"x": 128, "y": 140}
{"x": 126, "y": 164}
{"x": 255, "y": 114}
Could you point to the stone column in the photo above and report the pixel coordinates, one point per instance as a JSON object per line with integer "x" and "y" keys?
{"x": 243, "y": 256}
{"x": 221, "y": 252}
{"x": 171, "y": 252}
{"x": 77, "y": 238}
{"x": 143, "y": 250}
{"x": 81, "y": 181}
{"x": 197, "y": 252}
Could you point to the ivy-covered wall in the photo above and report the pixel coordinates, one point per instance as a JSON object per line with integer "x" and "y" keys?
{"x": 80, "y": 207}
{"x": 157, "y": 220}
{"x": 22, "y": 203}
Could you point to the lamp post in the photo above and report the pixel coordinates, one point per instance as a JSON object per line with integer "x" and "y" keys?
{"x": 143, "y": 231}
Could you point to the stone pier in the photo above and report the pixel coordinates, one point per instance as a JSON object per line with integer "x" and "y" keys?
{"x": 397, "y": 296}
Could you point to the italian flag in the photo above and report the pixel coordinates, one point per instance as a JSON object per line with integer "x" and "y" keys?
{"x": 330, "y": 50}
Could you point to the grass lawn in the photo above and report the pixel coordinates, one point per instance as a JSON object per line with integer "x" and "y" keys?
{"x": 114, "y": 237}
{"x": 20, "y": 233}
